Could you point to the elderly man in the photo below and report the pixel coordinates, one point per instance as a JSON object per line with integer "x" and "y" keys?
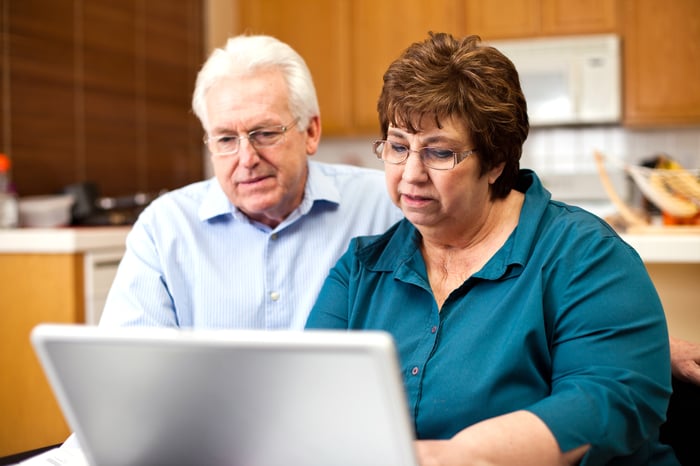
{"x": 250, "y": 248}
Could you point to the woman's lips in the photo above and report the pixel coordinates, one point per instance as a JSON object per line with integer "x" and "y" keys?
{"x": 414, "y": 200}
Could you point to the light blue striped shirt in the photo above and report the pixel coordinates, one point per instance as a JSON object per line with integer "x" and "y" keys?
{"x": 193, "y": 260}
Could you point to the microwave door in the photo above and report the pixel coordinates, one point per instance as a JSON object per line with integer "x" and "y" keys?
{"x": 600, "y": 84}
{"x": 550, "y": 97}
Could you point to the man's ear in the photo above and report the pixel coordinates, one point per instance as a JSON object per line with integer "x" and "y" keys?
{"x": 313, "y": 135}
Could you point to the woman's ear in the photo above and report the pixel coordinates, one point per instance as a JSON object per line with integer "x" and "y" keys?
{"x": 495, "y": 172}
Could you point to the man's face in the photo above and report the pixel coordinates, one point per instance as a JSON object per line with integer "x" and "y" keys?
{"x": 265, "y": 183}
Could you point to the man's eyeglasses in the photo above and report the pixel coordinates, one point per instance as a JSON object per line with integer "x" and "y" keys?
{"x": 432, "y": 157}
{"x": 228, "y": 144}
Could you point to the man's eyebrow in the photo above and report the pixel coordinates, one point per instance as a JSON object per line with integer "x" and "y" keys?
{"x": 260, "y": 125}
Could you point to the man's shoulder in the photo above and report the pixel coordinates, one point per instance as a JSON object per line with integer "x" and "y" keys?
{"x": 348, "y": 180}
{"x": 339, "y": 170}
{"x": 195, "y": 191}
{"x": 187, "y": 198}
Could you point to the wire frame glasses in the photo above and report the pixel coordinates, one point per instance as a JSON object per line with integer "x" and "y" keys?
{"x": 229, "y": 144}
{"x": 436, "y": 158}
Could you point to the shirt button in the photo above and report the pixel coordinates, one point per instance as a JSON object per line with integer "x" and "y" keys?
{"x": 414, "y": 371}
{"x": 434, "y": 329}
{"x": 273, "y": 236}
{"x": 274, "y": 296}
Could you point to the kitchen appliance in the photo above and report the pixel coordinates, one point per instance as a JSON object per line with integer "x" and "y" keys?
{"x": 91, "y": 209}
{"x": 568, "y": 80}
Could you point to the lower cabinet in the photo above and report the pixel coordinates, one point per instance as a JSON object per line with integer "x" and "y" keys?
{"x": 677, "y": 285}
{"x": 37, "y": 288}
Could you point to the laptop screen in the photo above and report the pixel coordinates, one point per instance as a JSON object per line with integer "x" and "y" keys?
{"x": 248, "y": 397}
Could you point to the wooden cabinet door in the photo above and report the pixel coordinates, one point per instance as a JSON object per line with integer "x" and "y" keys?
{"x": 35, "y": 288}
{"x": 348, "y": 46}
{"x": 578, "y": 16}
{"x": 500, "y": 19}
{"x": 381, "y": 30}
{"x": 319, "y": 31}
{"x": 661, "y": 62}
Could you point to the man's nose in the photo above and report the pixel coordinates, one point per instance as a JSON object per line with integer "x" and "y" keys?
{"x": 247, "y": 154}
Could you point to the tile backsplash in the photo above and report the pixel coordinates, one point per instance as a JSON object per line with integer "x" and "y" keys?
{"x": 563, "y": 157}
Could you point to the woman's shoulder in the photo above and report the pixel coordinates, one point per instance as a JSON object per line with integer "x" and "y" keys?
{"x": 383, "y": 250}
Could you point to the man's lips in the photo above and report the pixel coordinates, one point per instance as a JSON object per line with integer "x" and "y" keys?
{"x": 251, "y": 181}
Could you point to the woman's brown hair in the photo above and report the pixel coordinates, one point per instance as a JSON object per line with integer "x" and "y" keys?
{"x": 465, "y": 79}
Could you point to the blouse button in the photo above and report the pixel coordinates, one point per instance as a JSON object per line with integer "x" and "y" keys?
{"x": 414, "y": 371}
{"x": 434, "y": 329}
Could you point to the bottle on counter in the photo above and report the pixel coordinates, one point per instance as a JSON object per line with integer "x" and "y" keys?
{"x": 8, "y": 197}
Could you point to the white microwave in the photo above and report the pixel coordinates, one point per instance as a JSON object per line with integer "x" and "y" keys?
{"x": 568, "y": 80}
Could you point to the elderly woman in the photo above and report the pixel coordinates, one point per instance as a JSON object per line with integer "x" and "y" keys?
{"x": 528, "y": 332}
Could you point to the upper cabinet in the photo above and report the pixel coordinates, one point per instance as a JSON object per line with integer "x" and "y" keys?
{"x": 501, "y": 19}
{"x": 320, "y": 31}
{"x": 662, "y": 62}
{"x": 381, "y": 31}
{"x": 348, "y": 45}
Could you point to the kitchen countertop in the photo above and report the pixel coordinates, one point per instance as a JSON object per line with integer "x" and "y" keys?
{"x": 62, "y": 240}
{"x": 666, "y": 248}
{"x": 653, "y": 248}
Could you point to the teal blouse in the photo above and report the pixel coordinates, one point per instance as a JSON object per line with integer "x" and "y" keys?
{"x": 563, "y": 321}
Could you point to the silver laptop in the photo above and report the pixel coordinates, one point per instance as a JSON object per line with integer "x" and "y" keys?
{"x": 252, "y": 398}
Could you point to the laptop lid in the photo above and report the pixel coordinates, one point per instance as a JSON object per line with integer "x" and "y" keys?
{"x": 235, "y": 397}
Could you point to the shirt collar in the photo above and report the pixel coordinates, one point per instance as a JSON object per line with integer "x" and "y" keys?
{"x": 319, "y": 188}
{"x": 399, "y": 245}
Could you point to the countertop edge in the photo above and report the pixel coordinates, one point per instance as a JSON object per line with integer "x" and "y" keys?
{"x": 665, "y": 248}
{"x": 653, "y": 248}
{"x": 62, "y": 240}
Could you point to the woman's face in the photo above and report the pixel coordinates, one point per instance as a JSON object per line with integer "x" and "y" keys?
{"x": 439, "y": 198}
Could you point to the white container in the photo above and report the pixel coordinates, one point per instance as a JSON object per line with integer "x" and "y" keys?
{"x": 8, "y": 199}
{"x": 45, "y": 211}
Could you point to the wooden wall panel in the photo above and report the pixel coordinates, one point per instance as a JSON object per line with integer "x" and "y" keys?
{"x": 100, "y": 91}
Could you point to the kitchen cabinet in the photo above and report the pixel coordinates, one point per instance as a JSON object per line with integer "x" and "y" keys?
{"x": 661, "y": 62}
{"x": 673, "y": 263}
{"x": 320, "y": 32}
{"x": 501, "y": 19}
{"x": 381, "y": 31}
{"x": 348, "y": 46}
{"x": 46, "y": 275}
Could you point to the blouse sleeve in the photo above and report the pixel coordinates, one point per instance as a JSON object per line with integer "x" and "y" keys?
{"x": 610, "y": 351}
{"x": 332, "y": 306}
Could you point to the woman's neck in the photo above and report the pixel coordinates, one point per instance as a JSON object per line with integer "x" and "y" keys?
{"x": 451, "y": 258}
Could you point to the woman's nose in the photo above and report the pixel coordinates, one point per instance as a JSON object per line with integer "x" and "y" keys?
{"x": 413, "y": 168}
